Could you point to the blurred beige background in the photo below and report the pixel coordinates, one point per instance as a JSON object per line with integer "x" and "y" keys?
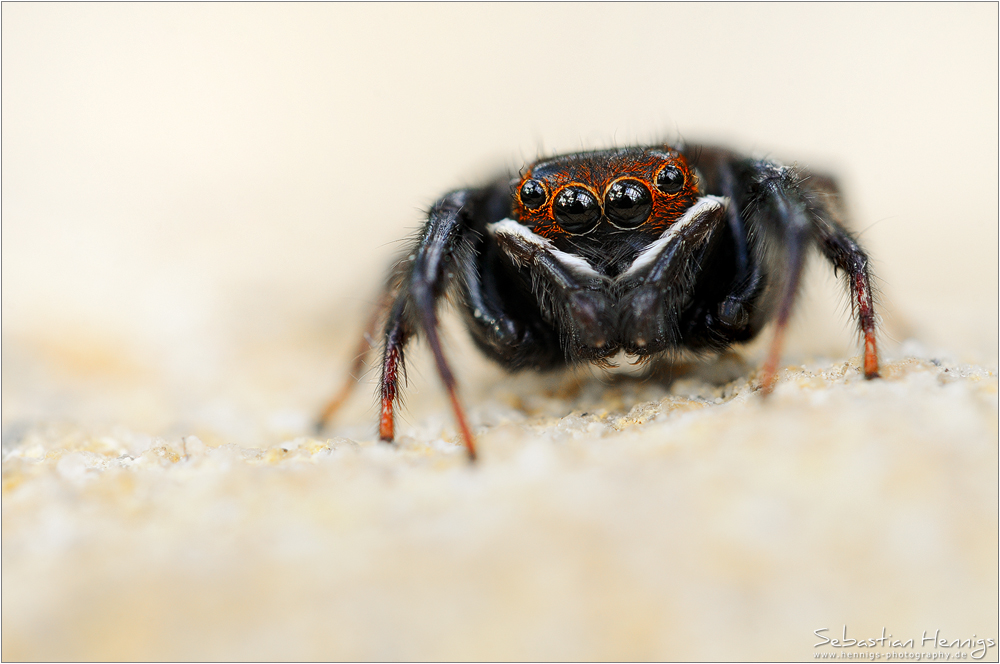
{"x": 167, "y": 166}
{"x": 199, "y": 200}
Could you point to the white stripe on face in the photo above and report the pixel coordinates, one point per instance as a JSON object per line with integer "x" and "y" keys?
{"x": 575, "y": 264}
{"x": 705, "y": 205}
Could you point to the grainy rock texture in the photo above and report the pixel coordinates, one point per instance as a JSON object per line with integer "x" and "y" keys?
{"x": 612, "y": 519}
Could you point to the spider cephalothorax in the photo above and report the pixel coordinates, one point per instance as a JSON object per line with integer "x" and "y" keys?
{"x": 649, "y": 251}
{"x": 602, "y": 193}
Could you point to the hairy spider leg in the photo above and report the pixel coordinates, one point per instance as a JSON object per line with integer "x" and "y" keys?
{"x": 793, "y": 219}
{"x": 423, "y": 284}
{"x": 813, "y": 201}
{"x": 734, "y": 315}
{"x": 795, "y": 206}
{"x": 504, "y": 327}
{"x": 842, "y": 250}
{"x": 396, "y": 336}
{"x": 736, "y": 224}
{"x": 365, "y": 346}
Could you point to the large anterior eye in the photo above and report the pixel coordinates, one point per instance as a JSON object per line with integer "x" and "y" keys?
{"x": 628, "y": 203}
{"x": 670, "y": 180}
{"x": 533, "y": 194}
{"x": 577, "y": 210}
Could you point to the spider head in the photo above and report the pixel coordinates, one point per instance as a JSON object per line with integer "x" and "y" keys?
{"x": 610, "y": 191}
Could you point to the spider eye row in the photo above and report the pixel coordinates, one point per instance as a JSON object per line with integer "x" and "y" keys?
{"x": 627, "y": 202}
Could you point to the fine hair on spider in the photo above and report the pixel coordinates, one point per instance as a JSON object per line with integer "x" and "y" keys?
{"x": 649, "y": 251}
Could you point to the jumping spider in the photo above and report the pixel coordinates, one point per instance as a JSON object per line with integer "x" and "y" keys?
{"x": 646, "y": 250}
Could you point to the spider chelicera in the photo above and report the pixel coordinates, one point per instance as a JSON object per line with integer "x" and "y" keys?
{"x": 646, "y": 250}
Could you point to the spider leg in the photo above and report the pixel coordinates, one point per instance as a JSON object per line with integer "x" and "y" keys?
{"x": 796, "y": 228}
{"x": 734, "y": 319}
{"x": 570, "y": 292}
{"x": 364, "y": 347}
{"x": 504, "y": 326}
{"x": 788, "y": 206}
{"x": 424, "y": 280}
{"x": 657, "y": 286}
{"x": 842, "y": 250}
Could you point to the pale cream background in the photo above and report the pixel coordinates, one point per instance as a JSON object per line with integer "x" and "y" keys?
{"x": 163, "y": 164}
{"x": 199, "y": 201}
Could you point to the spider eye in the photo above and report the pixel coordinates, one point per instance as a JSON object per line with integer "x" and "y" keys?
{"x": 670, "y": 180}
{"x": 628, "y": 203}
{"x": 577, "y": 210}
{"x": 533, "y": 194}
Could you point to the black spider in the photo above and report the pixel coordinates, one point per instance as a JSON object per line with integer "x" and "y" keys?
{"x": 642, "y": 250}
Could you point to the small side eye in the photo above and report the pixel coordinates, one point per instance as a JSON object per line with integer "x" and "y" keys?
{"x": 628, "y": 203}
{"x": 577, "y": 210}
{"x": 533, "y": 194}
{"x": 670, "y": 180}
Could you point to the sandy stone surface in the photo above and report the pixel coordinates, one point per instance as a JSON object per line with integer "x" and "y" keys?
{"x": 607, "y": 519}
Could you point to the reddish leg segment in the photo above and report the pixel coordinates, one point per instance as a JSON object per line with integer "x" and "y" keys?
{"x": 805, "y": 219}
{"x": 841, "y": 249}
{"x": 798, "y": 243}
{"x": 866, "y": 318}
{"x": 448, "y": 378}
{"x": 391, "y": 364}
{"x": 862, "y": 304}
{"x": 424, "y": 280}
{"x": 361, "y": 354}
